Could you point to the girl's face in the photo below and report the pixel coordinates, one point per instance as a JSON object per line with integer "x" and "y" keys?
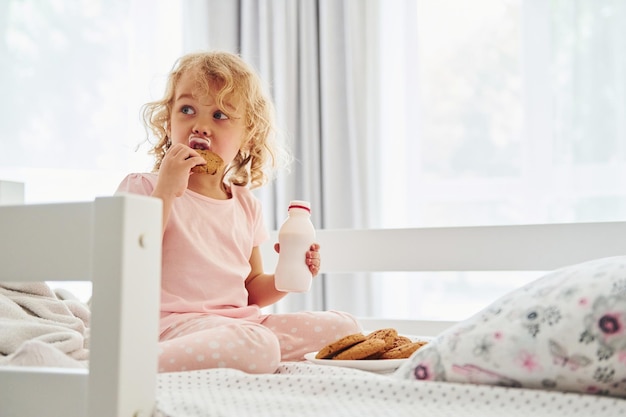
{"x": 196, "y": 121}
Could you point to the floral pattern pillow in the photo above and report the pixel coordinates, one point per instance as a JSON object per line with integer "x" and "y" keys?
{"x": 565, "y": 331}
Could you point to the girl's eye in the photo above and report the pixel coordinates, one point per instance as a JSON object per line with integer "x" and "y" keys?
{"x": 187, "y": 110}
{"x": 220, "y": 115}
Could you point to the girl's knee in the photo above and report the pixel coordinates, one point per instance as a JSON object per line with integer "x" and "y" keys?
{"x": 248, "y": 347}
{"x": 258, "y": 349}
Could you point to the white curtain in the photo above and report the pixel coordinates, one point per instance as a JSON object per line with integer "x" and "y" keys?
{"x": 321, "y": 71}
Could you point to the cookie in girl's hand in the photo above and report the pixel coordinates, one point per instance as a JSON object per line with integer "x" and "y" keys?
{"x": 213, "y": 162}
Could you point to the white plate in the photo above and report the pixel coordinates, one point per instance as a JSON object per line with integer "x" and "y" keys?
{"x": 372, "y": 365}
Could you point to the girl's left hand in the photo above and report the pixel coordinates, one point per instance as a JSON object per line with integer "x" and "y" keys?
{"x": 312, "y": 258}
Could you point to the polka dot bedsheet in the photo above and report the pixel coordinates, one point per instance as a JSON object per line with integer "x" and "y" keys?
{"x": 305, "y": 389}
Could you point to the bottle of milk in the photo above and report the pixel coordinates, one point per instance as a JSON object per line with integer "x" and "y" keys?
{"x": 295, "y": 236}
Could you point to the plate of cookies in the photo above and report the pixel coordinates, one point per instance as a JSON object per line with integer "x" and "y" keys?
{"x": 382, "y": 350}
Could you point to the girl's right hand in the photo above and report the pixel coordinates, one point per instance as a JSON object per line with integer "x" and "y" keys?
{"x": 175, "y": 170}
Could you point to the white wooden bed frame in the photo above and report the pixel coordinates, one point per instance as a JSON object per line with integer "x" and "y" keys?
{"x": 115, "y": 243}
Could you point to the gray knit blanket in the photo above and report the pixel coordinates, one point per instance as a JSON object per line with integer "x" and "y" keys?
{"x": 40, "y": 327}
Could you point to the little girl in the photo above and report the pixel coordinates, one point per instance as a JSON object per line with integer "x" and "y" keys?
{"x": 213, "y": 282}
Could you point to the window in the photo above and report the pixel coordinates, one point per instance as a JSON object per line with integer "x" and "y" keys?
{"x": 73, "y": 77}
{"x": 512, "y": 113}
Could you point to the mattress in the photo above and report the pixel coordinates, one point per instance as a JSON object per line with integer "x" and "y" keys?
{"x": 305, "y": 389}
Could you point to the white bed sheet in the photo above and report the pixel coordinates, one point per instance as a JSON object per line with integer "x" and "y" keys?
{"x": 303, "y": 389}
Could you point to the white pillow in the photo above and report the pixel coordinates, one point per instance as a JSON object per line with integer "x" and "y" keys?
{"x": 565, "y": 331}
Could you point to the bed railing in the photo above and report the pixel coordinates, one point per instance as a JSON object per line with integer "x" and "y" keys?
{"x": 115, "y": 242}
{"x": 535, "y": 247}
{"x": 538, "y": 247}
{"x": 11, "y": 192}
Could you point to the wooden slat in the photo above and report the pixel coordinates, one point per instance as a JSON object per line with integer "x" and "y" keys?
{"x": 54, "y": 240}
{"x": 125, "y": 306}
{"x": 406, "y": 327}
{"x": 11, "y": 193}
{"x": 37, "y": 392}
{"x": 479, "y": 248}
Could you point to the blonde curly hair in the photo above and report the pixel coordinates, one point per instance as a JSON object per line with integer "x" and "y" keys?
{"x": 232, "y": 81}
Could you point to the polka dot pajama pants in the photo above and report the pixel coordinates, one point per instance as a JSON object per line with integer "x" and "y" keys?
{"x": 253, "y": 346}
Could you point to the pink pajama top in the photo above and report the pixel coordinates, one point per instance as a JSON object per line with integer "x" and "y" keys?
{"x": 207, "y": 245}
